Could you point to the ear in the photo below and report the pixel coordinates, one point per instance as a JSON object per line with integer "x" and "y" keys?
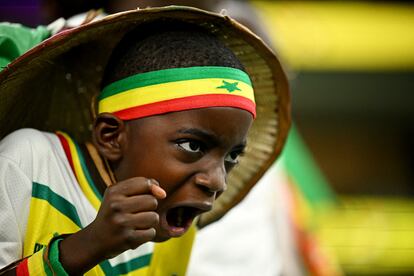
{"x": 109, "y": 136}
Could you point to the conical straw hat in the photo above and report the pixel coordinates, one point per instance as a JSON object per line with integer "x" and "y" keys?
{"x": 51, "y": 87}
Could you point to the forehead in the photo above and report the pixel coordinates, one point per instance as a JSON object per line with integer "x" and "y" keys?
{"x": 229, "y": 125}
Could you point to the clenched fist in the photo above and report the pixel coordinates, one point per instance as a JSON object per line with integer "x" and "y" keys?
{"x": 125, "y": 220}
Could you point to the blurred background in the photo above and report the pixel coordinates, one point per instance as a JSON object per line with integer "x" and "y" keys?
{"x": 350, "y": 162}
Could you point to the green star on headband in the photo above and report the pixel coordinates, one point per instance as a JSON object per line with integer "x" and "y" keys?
{"x": 178, "y": 89}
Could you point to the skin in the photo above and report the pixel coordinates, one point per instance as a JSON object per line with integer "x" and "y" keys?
{"x": 160, "y": 162}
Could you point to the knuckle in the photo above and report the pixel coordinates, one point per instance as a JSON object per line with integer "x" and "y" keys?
{"x": 153, "y": 203}
{"x": 142, "y": 182}
{"x": 147, "y": 220}
{"x": 148, "y": 234}
{"x": 135, "y": 238}
{"x": 115, "y": 207}
{"x": 147, "y": 183}
{"x": 120, "y": 221}
{"x": 131, "y": 240}
{"x": 109, "y": 191}
{"x": 155, "y": 218}
{"x": 138, "y": 179}
{"x": 151, "y": 233}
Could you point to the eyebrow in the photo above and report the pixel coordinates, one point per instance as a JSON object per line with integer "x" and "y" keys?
{"x": 208, "y": 136}
{"x": 205, "y": 135}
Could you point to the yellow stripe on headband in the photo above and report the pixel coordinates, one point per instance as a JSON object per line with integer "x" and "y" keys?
{"x": 174, "y": 90}
{"x": 179, "y": 83}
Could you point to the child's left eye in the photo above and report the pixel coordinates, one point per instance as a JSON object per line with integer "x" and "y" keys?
{"x": 191, "y": 146}
{"x": 232, "y": 157}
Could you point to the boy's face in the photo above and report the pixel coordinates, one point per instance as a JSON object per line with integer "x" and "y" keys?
{"x": 189, "y": 153}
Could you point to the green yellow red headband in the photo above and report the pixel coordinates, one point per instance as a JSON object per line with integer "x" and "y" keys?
{"x": 177, "y": 89}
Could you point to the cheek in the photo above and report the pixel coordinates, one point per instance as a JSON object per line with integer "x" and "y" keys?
{"x": 163, "y": 164}
{"x": 144, "y": 161}
{"x": 179, "y": 195}
{"x": 173, "y": 175}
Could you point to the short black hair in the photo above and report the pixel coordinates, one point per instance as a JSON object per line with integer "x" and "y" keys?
{"x": 165, "y": 45}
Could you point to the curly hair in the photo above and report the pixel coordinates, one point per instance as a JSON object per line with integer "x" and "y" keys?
{"x": 165, "y": 45}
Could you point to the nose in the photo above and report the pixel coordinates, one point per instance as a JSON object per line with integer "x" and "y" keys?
{"x": 212, "y": 180}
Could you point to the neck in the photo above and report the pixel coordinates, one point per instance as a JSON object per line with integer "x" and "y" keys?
{"x": 96, "y": 167}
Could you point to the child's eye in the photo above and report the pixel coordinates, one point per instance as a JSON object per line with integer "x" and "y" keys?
{"x": 191, "y": 146}
{"x": 233, "y": 157}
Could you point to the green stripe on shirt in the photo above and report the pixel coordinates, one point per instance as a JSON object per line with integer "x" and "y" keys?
{"x": 41, "y": 191}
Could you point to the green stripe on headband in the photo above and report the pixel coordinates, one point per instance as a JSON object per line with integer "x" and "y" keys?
{"x": 172, "y": 75}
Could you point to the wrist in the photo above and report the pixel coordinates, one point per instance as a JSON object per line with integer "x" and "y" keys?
{"x": 53, "y": 257}
{"x": 79, "y": 253}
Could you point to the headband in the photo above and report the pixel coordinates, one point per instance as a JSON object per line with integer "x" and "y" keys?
{"x": 177, "y": 89}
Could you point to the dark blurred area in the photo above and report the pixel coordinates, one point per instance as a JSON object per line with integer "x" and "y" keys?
{"x": 40, "y": 12}
{"x": 360, "y": 126}
{"x": 27, "y": 12}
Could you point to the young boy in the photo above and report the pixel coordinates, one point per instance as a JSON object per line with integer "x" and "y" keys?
{"x": 173, "y": 118}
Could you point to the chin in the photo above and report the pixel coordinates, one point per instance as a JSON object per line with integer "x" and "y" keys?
{"x": 161, "y": 239}
{"x": 172, "y": 232}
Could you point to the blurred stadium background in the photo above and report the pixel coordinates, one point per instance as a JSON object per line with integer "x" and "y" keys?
{"x": 353, "y": 102}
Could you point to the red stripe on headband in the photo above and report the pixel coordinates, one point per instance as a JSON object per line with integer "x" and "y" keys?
{"x": 187, "y": 103}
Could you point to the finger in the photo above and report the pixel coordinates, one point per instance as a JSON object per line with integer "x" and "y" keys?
{"x": 140, "y": 221}
{"x": 138, "y": 237}
{"x": 156, "y": 190}
{"x": 135, "y": 204}
{"x": 145, "y": 220}
{"x": 133, "y": 186}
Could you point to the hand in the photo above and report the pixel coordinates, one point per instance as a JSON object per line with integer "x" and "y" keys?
{"x": 127, "y": 216}
{"x": 125, "y": 220}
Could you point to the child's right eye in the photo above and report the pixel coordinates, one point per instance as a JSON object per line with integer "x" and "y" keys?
{"x": 191, "y": 146}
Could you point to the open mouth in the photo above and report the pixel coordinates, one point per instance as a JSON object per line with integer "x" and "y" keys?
{"x": 179, "y": 219}
{"x": 182, "y": 217}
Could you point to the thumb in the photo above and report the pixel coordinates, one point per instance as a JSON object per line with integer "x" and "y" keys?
{"x": 156, "y": 190}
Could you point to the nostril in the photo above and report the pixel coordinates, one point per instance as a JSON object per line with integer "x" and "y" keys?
{"x": 209, "y": 187}
{"x": 207, "y": 190}
{"x": 212, "y": 181}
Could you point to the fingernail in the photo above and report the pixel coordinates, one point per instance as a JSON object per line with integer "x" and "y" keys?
{"x": 158, "y": 192}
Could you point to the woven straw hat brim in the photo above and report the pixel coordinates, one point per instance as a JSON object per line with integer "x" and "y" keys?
{"x": 51, "y": 87}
